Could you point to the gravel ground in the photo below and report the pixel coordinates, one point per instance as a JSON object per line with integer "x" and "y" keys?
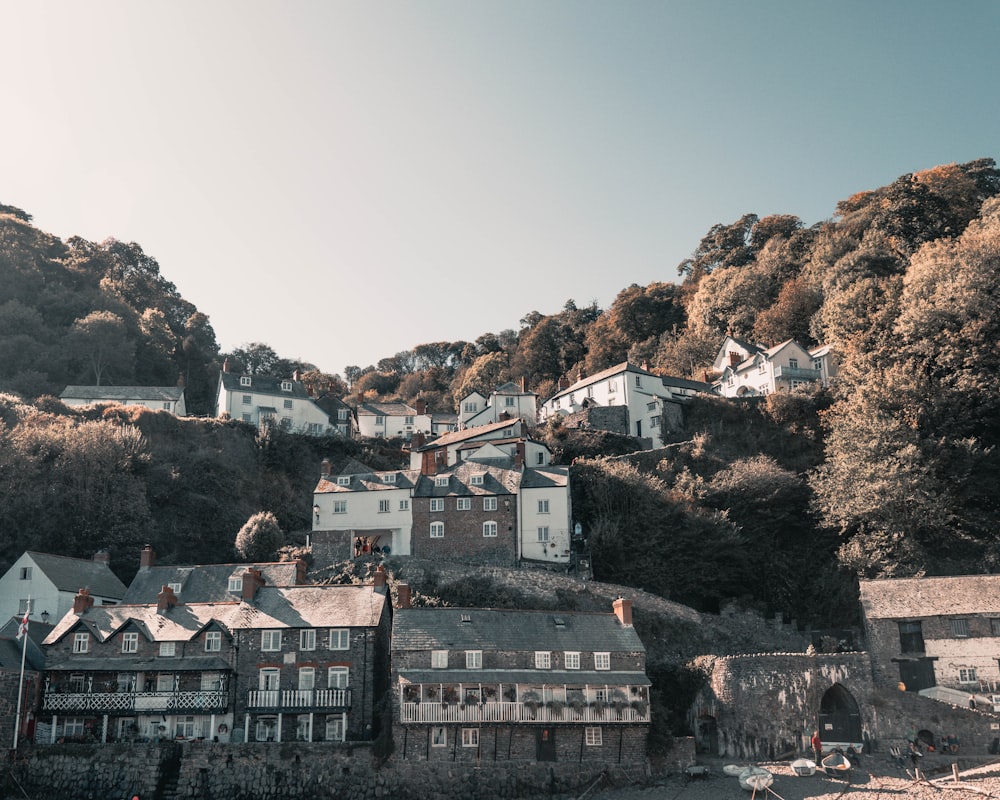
{"x": 875, "y": 780}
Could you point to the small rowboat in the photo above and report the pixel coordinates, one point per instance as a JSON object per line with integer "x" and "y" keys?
{"x": 755, "y": 779}
{"x": 733, "y": 770}
{"x": 836, "y": 762}
{"x": 803, "y": 767}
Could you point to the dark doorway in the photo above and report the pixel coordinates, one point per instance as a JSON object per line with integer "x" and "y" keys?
{"x": 839, "y": 717}
{"x": 707, "y": 736}
{"x": 545, "y": 748}
{"x": 917, "y": 674}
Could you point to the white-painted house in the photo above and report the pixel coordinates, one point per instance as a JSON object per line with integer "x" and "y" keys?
{"x": 510, "y": 437}
{"x": 506, "y": 402}
{"x": 53, "y": 581}
{"x": 751, "y": 371}
{"x": 545, "y": 515}
{"x": 393, "y": 420}
{"x": 263, "y": 401}
{"x": 158, "y": 398}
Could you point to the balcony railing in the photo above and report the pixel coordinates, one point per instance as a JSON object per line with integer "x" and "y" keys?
{"x": 301, "y": 699}
{"x": 137, "y": 702}
{"x": 797, "y": 373}
{"x": 429, "y": 711}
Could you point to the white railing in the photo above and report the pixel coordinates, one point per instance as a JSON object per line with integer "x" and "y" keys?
{"x": 299, "y": 698}
{"x": 136, "y": 701}
{"x": 429, "y": 711}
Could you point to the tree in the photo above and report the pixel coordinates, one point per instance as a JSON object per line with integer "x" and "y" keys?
{"x": 260, "y": 538}
{"x": 100, "y": 340}
{"x": 256, "y": 358}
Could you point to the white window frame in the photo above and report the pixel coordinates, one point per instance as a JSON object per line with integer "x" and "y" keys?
{"x": 439, "y": 737}
{"x": 602, "y": 661}
{"x": 236, "y": 583}
{"x": 287, "y": 403}
{"x": 343, "y": 480}
{"x": 307, "y": 679}
{"x": 404, "y": 505}
{"x": 340, "y": 639}
{"x": 437, "y": 530}
{"x": 543, "y": 533}
{"x": 286, "y": 386}
{"x": 489, "y": 504}
{"x": 130, "y": 642}
{"x": 439, "y": 659}
{"x": 165, "y": 682}
{"x": 389, "y": 477}
{"x": 334, "y": 728}
{"x": 593, "y": 736}
{"x": 473, "y": 659}
{"x": 543, "y": 659}
{"x": 437, "y": 504}
{"x": 245, "y": 380}
{"x": 168, "y": 649}
{"x": 968, "y": 675}
{"x": 470, "y": 737}
{"x": 543, "y": 506}
{"x": 489, "y": 529}
{"x": 383, "y": 506}
{"x": 248, "y": 399}
{"x": 213, "y": 641}
{"x": 571, "y": 659}
{"x": 463, "y": 504}
{"x": 339, "y": 506}
{"x": 338, "y": 677}
{"x": 268, "y": 679}
{"x": 307, "y": 639}
{"x": 476, "y": 480}
{"x": 270, "y": 641}
{"x": 960, "y": 628}
{"x": 81, "y": 642}
{"x": 441, "y": 480}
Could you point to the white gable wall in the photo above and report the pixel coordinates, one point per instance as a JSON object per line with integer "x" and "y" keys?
{"x": 556, "y": 520}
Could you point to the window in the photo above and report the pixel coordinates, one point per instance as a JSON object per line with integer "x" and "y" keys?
{"x": 543, "y": 533}
{"x": 236, "y": 583}
{"x": 470, "y": 737}
{"x": 76, "y": 682}
{"x": 22, "y": 606}
{"x": 489, "y": 530}
{"x": 654, "y": 423}
{"x": 611, "y": 387}
{"x": 264, "y": 730}
{"x": 211, "y": 681}
{"x": 337, "y": 677}
{"x": 439, "y": 659}
{"x": 911, "y": 637}
{"x": 389, "y": 478}
{"x": 463, "y": 504}
{"x": 473, "y": 659}
{"x": 246, "y": 417}
{"x": 592, "y": 737}
{"x": 476, "y": 480}
{"x": 383, "y": 506}
{"x": 247, "y": 400}
{"x": 407, "y": 420}
{"x": 543, "y": 659}
{"x": 602, "y": 660}
{"x": 73, "y": 726}
{"x": 81, "y": 642}
{"x": 213, "y": 641}
{"x": 307, "y": 679}
{"x": 287, "y": 403}
{"x": 437, "y": 504}
{"x": 244, "y": 380}
{"x": 340, "y": 639}
{"x": 25, "y": 574}
{"x": 168, "y": 649}
{"x": 339, "y": 506}
{"x": 439, "y": 737}
{"x": 379, "y": 419}
{"x": 286, "y": 386}
{"x": 343, "y": 480}
{"x": 174, "y": 587}
{"x": 441, "y": 480}
{"x": 437, "y": 530}
{"x": 469, "y": 408}
{"x": 967, "y": 675}
{"x": 307, "y": 639}
{"x": 543, "y": 506}
{"x": 342, "y": 414}
{"x": 572, "y": 660}
{"x": 960, "y": 628}
{"x": 489, "y": 504}
{"x": 165, "y": 682}
{"x": 995, "y": 627}
{"x": 269, "y": 678}
{"x": 793, "y": 363}
{"x": 509, "y": 402}
{"x": 125, "y": 681}
{"x": 130, "y": 642}
{"x": 404, "y": 505}
{"x": 334, "y": 729}
{"x": 270, "y": 641}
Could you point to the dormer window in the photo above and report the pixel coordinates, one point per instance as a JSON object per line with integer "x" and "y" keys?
{"x": 441, "y": 480}
{"x": 343, "y": 480}
{"x": 174, "y": 587}
{"x": 476, "y": 480}
{"x": 286, "y": 386}
{"x": 236, "y": 583}
{"x": 244, "y": 380}
{"x": 390, "y": 478}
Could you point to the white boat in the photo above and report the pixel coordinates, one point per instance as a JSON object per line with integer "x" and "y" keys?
{"x": 836, "y": 762}
{"x": 804, "y": 767}
{"x": 733, "y": 770}
{"x": 754, "y": 779}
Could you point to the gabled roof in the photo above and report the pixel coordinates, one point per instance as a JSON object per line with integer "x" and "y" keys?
{"x": 895, "y": 598}
{"x": 371, "y": 482}
{"x": 610, "y": 372}
{"x": 496, "y": 480}
{"x": 545, "y": 477}
{"x": 263, "y": 385}
{"x": 72, "y": 574}
{"x": 120, "y": 394}
{"x": 510, "y": 630}
{"x": 468, "y": 434}
{"x": 510, "y": 388}
{"x": 204, "y": 583}
{"x": 386, "y": 410}
{"x": 686, "y": 383}
{"x": 289, "y": 607}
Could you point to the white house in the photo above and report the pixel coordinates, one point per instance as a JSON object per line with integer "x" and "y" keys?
{"x": 261, "y": 401}
{"x": 510, "y": 436}
{"x": 640, "y": 391}
{"x": 53, "y": 581}
{"x": 507, "y": 401}
{"x": 545, "y": 515}
{"x": 393, "y": 420}
{"x": 750, "y": 371}
{"x": 158, "y": 398}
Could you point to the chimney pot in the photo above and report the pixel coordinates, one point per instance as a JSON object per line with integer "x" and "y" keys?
{"x": 380, "y": 578}
{"x": 403, "y": 596}
{"x": 82, "y": 602}
{"x": 147, "y": 558}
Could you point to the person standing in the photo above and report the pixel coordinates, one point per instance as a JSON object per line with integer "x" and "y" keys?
{"x": 817, "y": 747}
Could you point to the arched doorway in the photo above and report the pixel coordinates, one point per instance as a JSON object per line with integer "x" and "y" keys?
{"x": 707, "y": 735}
{"x": 839, "y": 718}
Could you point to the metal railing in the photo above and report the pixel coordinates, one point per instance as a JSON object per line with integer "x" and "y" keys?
{"x": 487, "y": 712}
{"x": 276, "y": 699}
{"x": 797, "y": 373}
{"x": 132, "y": 702}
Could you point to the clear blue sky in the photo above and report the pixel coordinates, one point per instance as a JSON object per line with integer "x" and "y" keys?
{"x": 345, "y": 180}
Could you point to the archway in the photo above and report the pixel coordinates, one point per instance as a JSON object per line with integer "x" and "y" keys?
{"x": 707, "y": 735}
{"x": 839, "y": 718}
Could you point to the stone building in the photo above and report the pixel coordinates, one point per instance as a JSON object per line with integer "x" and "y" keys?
{"x": 475, "y": 685}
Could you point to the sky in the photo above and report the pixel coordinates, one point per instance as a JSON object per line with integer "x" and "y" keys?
{"x": 344, "y": 180}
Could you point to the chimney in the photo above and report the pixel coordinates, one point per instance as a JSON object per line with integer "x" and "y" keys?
{"x": 300, "y": 572}
{"x": 563, "y": 384}
{"x": 417, "y": 440}
{"x": 297, "y": 376}
{"x": 227, "y": 365}
{"x": 147, "y": 558}
{"x": 324, "y": 468}
{"x": 380, "y": 579}
{"x": 82, "y": 602}
{"x": 623, "y": 610}
{"x": 181, "y": 383}
{"x": 522, "y": 384}
{"x": 403, "y": 595}
{"x": 420, "y": 405}
{"x": 579, "y": 373}
{"x": 252, "y": 581}
{"x": 165, "y": 600}
{"x": 734, "y": 358}
{"x": 428, "y": 464}
{"x": 519, "y": 456}
{"x": 102, "y": 557}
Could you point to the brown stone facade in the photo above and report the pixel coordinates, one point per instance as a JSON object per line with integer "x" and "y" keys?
{"x": 463, "y": 538}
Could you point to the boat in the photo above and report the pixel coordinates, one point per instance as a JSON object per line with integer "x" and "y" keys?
{"x": 754, "y": 779}
{"x": 733, "y": 770}
{"x": 804, "y": 767}
{"x": 836, "y": 762}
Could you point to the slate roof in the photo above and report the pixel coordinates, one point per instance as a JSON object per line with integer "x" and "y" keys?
{"x": 685, "y": 383}
{"x": 495, "y": 481}
{"x": 272, "y": 608}
{"x": 544, "y": 477}
{"x": 505, "y": 629}
{"x": 897, "y": 598}
{"x": 263, "y": 385}
{"x": 73, "y": 574}
{"x": 371, "y": 482}
{"x": 480, "y": 432}
{"x": 618, "y": 369}
{"x": 11, "y": 646}
{"x": 120, "y": 394}
{"x": 386, "y": 410}
{"x": 205, "y": 583}
{"x": 510, "y": 388}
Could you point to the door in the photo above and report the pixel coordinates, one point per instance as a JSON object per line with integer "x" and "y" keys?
{"x": 917, "y": 674}
{"x": 839, "y": 717}
{"x": 545, "y": 749}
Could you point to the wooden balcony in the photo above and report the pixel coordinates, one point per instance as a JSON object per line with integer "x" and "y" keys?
{"x": 123, "y": 703}
{"x": 299, "y": 700}
{"x": 527, "y": 713}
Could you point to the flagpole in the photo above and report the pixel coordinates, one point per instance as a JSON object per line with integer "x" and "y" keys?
{"x": 20, "y": 683}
